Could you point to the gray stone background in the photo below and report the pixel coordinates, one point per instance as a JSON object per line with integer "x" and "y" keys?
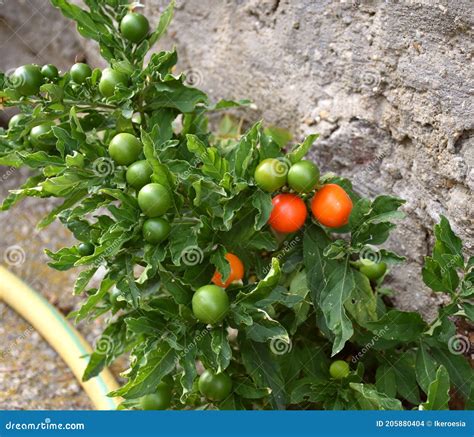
{"x": 388, "y": 84}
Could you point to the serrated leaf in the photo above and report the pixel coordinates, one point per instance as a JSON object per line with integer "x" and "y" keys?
{"x": 337, "y": 289}
{"x": 157, "y": 363}
{"x": 263, "y": 203}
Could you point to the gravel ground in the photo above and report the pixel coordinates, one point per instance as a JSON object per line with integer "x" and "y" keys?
{"x": 32, "y": 375}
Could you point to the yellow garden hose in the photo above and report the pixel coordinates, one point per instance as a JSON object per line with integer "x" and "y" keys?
{"x": 62, "y": 337}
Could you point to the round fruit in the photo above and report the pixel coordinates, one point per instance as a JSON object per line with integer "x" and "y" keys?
{"x": 215, "y": 386}
{"x": 85, "y": 249}
{"x": 15, "y": 120}
{"x": 339, "y": 369}
{"x": 109, "y": 80}
{"x": 372, "y": 269}
{"x": 134, "y": 27}
{"x": 139, "y": 174}
{"x": 154, "y": 200}
{"x": 27, "y": 79}
{"x": 236, "y": 271}
{"x": 80, "y": 72}
{"x": 156, "y": 230}
{"x": 42, "y": 137}
{"x": 50, "y": 72}
{"x": 271, "y": 174}
{"x": 288, "y": 214}
{"x": 210, "y": 304}
{"x": 160, "y": 400}
{"x": 331, "y": 206}
{"x": 125, "y": 148}
{"x": 303, "y": 176}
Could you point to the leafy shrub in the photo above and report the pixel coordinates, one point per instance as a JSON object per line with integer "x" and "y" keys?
{"x": 300, "y": 301}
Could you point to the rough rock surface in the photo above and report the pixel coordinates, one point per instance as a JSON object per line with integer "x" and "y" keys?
{"x": 387, "y": 84}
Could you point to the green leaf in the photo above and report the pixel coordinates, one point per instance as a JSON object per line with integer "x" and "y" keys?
{"x": 362, "y": 305}
{"x": 450, "y": 240}
{"x": 399, "y": 325}
{"x": 243, "y": 158}
{"x": 165, "y": 20}
{"x": 108, "y": 347}
{"x": 172, "y": 93}
{"x": 264, "y": 287}
{"x": 181, "y": 292}
{"x": 262, "y": 367}
{"x": 68, "y": 203}
{"x": 425, "y": 368}
{"x": 213, "y": 164}
{"x": 183, "y": 244}
{"x": 221, "y": 348}
{"x": 438, "y": 391}
{"x": 263, "y": 203}
{"x": 83, "y": 279}
{"x": 264, "y": 329}
{"x": 159, "y": 360}
{"x": 187, "y": 361}
{"x": 370, "y": 399}
{"x": 403, "y": 366}
{"x": 219, "y": 260}
{"x": 93, "y": 300}
{"x": 469, "y": 310}
{"x": 457, "y": 366}
{"x": 247, "y": 390}
{"x": 85, "y": 25}
{"x": 386, "y": 380}
{"x": 337, "y": 289}
{"x": 370, "y": 222}
{"x": 299, "y": 287}
{"x": 300, "y": 150}
{"x": 14, "y": 197}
